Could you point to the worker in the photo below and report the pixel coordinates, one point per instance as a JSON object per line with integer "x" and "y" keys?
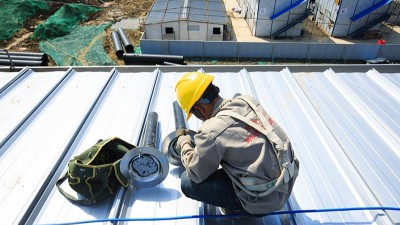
{"x": 240, "y": 159}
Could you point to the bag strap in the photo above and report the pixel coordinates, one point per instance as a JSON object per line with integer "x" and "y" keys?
{"x": 70, "y": 197}
{"x": 281, "y": 149}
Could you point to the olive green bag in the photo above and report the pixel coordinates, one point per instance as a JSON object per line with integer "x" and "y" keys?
{"x": 95, "y": 173}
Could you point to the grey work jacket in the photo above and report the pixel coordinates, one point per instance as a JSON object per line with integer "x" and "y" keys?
{"x": 247, "y": 152}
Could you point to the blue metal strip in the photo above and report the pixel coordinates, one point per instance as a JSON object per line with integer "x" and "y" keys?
{"x": 290, "y": 24}
{"x": 369, "y": 25}
{"x": 287, "y": 9}
{"x": 369, "y": 10}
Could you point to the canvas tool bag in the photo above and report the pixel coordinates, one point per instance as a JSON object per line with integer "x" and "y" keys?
{"x": 95, "y": 173}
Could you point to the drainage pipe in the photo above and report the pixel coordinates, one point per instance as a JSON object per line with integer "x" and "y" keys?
{"x": 169, "y": 142}
{"x": 150, "y": 134}
{"x": 21, "y": 57}
{"x": 43, "y": 56}
{"x": 118, "y": 49}
{"x": 6, "y": 62}
{"x": 125, "y": 40}
{"x": 145, "y": 166}
{"x": 130, "y": 59}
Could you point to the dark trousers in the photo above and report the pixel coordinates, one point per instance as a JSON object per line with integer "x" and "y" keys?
{"x": 216, "y": 190}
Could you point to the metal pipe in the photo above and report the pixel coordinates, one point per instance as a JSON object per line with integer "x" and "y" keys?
{"x": 145, "y": 166}
{"x": 169, "y": 142}
{"x": 6, "y": 62}
{"x": 43, "y": 56}
{"x": 154, "y": 59}
{"x": 150, "y": 134}
{"x": 118, "y": 49}
{"x": 179, "y": 120}
{"x": 21, "y": 57}
{"x": 125, "y": 40}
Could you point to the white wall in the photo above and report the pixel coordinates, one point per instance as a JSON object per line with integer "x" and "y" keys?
{"x": 368, "y": 18}
{"x": 249, "y": 12}
{"x": 175, "y": 26}
{"x": 335, "y": 20}
{"x": 153, "y": 31}
{"x": 183, "y": 30}
{"x": 327, "y": 15}
{"x": 200, "y": 35}
{"x": 264, "y": 11}
{"x": 267, "y": 8}
{"x": 215, "y": 37}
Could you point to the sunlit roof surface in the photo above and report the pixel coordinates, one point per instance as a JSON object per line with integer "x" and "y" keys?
{"x": 343, "y": 121}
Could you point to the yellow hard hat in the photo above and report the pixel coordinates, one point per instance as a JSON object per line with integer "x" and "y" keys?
{"x": 189, "y": 88}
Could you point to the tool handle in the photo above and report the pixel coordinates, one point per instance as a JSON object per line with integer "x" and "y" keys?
{"x": 150, "y": 133}
{"x": 179, "y": 119}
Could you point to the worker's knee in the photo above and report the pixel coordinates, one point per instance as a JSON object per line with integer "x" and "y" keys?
{"x": 185, "y": 183}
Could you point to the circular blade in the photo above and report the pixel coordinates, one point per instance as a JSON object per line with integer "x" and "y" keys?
{"x": 144, "y": 167}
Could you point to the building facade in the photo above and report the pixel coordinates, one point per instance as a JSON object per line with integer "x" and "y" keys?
{"x": 351, "y": 18}
{"x": 277, "y": 18}
{"x": 186, "y": 20}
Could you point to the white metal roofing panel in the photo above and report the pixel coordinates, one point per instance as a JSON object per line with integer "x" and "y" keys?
{"x": 388, "y": 80}
{"x": 326, "y": 177}
{"x": 6, "y": 77}
{"x": 345, "y": 161}
{"x": 165, "y": 199}
{"x": 121, "y": 114}
{"x": 17, "y": 104}
{"x": 31, "y": 152}
{"x": 365, "y": 139}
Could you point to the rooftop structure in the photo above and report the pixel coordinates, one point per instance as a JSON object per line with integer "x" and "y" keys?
{"x": 343, "y": 121}
{"x": 186, "y": 20}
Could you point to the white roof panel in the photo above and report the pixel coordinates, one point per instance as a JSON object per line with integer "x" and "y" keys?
{"x": 343, "y": 123}
{"x": 191, "y": 10}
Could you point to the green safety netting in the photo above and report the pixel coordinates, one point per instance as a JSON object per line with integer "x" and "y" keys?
{"x": 15, "y": 12}
{"x": 63, "y": 21}
{"x": 82, "y": 47}
{"x": 137, "y": 50}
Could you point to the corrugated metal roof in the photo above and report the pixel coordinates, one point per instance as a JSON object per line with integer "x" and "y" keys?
{"x": 188, "y": 10}
{"x": 343, "y": 122}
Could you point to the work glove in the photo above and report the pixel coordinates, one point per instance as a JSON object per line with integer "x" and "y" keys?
{"x": 182, "y": 140}
{"x": 181, "y": 132}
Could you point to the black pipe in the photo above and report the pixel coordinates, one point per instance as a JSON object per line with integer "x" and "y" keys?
{"x": 179, "y": 119}
{"x": 125, "y": 40}
{"x": 150, "y": 134}
{"x": 118, "y": 49}
{"x": 168, "y": 146}
{"x": 6, "y": 62}
{"x": 130, "y": 59}
{"x": 35, "y": 54}
{"x": 21, "y": 57}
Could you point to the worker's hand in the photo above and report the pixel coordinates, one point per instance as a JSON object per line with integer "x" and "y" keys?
{"x": 181, "y": 132}
{"x": 182, "y": 140}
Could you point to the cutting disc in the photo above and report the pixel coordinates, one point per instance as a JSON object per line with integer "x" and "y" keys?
{"x": 144, "y": 167}
{"x": 168, "y": 147}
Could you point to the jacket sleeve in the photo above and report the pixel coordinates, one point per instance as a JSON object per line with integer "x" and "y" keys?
{"x": 203, "y": 159}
